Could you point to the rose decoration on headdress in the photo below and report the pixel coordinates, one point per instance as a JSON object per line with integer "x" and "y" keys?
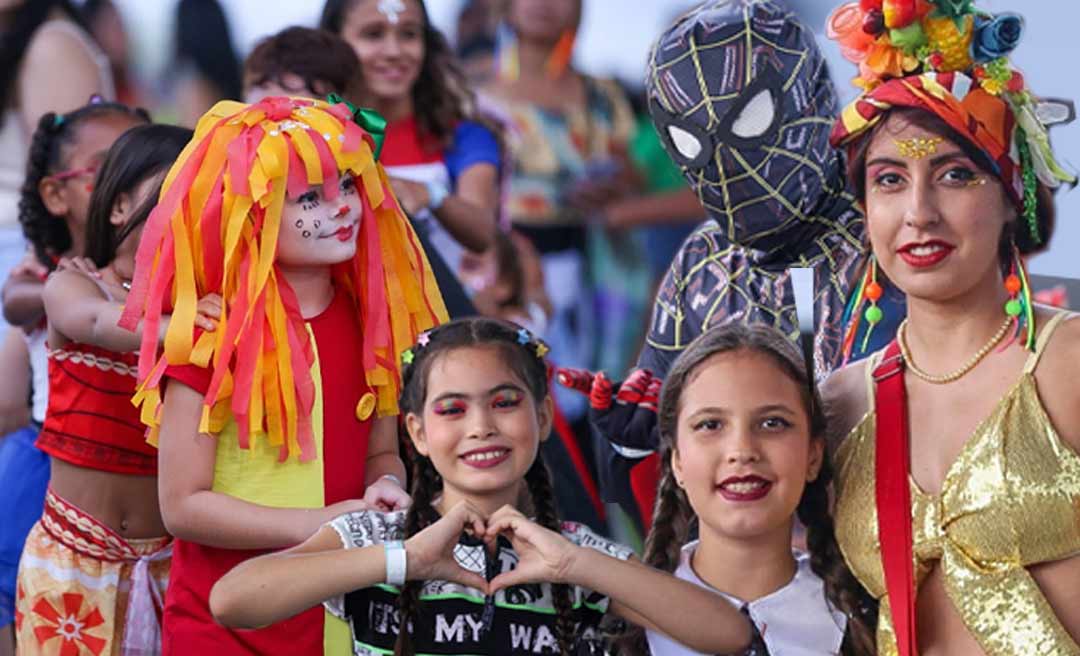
{"x": 996, "y": 37}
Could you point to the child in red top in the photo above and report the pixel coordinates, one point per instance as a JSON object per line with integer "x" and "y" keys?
{"x": 95, "y": 565}
{"x": 285, "y": 415}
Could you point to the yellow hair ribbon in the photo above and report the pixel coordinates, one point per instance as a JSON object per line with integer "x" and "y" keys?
{"x": 308, "y": 155}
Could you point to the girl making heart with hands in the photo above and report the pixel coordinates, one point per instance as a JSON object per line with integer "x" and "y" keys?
{"x": 480, "y": 562}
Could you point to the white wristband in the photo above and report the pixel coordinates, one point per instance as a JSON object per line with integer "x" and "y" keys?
{"x": 397, "y": 481}
{"x": 396, "y": 562}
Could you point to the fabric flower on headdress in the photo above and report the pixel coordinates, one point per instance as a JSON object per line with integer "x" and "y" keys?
{"x": 882, "y": 36}
{"x": 995, "y": 37}
{"x": 958, "y": 70}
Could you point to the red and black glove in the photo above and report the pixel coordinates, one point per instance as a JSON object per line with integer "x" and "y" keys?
{"x": 623, "y": 416}
{"x": 626, "y": 416}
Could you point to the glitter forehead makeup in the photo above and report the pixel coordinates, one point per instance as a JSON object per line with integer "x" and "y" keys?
{"x": 917, "y": 148}
{"x": 392, "y": 10}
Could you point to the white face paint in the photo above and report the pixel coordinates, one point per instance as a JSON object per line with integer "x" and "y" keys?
{"x": 391, "y": 9}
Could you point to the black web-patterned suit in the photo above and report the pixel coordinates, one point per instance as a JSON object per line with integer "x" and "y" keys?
{"x": 742, "y": 99}
{"x": 741, "y": 96}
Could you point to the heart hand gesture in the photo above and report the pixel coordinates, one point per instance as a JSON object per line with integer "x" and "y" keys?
{"x": 543, "y": 555}
{"x": 431, "y": 551}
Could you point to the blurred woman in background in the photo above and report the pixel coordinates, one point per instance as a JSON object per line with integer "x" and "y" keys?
{"x": 48, "y": 63}
{"x": 443, "y": 160}
{"x": 569, "y": 162}
{"x": 207, "y": 67}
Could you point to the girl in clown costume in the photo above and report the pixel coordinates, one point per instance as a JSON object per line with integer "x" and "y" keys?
{"x": 284, "y": 416}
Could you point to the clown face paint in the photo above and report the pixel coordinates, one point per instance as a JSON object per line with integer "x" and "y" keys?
{"x": 317, "y": 230}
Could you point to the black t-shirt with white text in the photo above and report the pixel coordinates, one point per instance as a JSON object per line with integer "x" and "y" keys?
{"x": 456, "y": 619}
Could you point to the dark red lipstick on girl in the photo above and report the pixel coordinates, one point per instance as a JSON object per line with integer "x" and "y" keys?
{"x": 744, "y": 488}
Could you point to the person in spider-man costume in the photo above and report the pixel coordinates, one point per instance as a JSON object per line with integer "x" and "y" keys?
{"x": 741, "y": 97}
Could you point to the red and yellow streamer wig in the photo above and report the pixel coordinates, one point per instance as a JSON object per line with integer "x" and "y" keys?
{"x": 215, "y": 230}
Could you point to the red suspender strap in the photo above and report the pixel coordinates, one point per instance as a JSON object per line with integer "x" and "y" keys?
{"x": 893, "y": 495}
{"x": 577, "y": 457}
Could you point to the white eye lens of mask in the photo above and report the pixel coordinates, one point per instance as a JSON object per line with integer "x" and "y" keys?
{"x": 686, "y": 143}
{"x": 756, "y": 117}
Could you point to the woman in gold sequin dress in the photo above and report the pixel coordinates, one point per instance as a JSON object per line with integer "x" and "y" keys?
{"x": 958, "y": 486}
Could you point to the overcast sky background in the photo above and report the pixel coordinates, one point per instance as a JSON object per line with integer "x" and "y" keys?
{"x": 616, "y": 34}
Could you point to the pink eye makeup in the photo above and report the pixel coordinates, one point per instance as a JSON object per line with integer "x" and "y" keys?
{"x": 507, "y": 399}
{"x": 448, "y": 407}
{"x": 883, "y": 176}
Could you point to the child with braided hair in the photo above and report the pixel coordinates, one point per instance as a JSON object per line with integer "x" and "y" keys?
{"x": 464, "y": 570}
{"x": 98, "y": 557}
{"x": 65, "y": 152}
{"x": 742, "y": 435}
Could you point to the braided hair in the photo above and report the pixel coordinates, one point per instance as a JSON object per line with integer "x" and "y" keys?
{"x": 673, "y": 516}
{"x": 542, "y": 496}
{"x": 842, "y": 589}
{"x": 524, "y": 355}
{"x": 47, "y": 233}
{"x": 421, "y": 514}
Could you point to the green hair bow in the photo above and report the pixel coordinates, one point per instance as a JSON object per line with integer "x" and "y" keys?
{"x": 369, "y": 119}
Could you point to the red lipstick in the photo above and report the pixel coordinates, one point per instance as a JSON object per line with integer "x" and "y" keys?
{"x": 744, "y": 488}
{"x": 345, "y": 233}
{"x": 923, "y": 255}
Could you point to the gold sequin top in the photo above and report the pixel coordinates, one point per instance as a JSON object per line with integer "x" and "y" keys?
{"x": 1010, "y": 500}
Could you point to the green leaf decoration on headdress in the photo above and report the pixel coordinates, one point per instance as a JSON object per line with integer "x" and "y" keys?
{"x": 955, "y": 9}
{"x": 369, "y": 119}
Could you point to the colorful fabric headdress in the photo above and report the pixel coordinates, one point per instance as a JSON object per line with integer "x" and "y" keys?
{"x": 947, "y": 58}
{"x": 215, "y": 230}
